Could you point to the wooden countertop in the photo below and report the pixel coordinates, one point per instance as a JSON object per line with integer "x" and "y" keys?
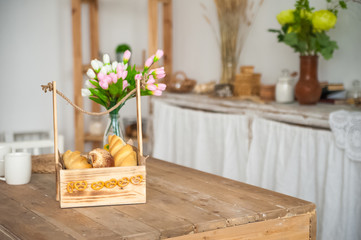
{"x": 307, "y": 115}
{"x": 181, "y": 202}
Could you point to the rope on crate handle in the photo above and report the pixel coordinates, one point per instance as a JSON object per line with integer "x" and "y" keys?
{"x": 49, "y": 88}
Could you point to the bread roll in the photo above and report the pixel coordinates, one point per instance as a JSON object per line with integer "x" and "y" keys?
{"x": 101, "y": 158}
{"x": 73, "y": 160}
{"x": 123, "y": 154}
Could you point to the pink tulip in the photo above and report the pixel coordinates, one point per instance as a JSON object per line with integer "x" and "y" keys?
{"x": 158, "y": 71}
{"x": 157, "y": 92}
{"x": 113, "y": 77}
{"x": 126, "y": 56}
{"x": 121, "y": 67}
{"x": 160, "y": 76}
{"x": 100, "y": 76}
{"x": 150, "y": 79}
{"x": 138, "y": 76}
{"x": 151, "y": 87}
{"x": 125, "y": 84}
{"x": 149, "y": 62}
{"x": 104, "y": 85}
{"x": 158, "y": 55}
{"x": 161, "y": 86}
{"x": 124, "y": 74}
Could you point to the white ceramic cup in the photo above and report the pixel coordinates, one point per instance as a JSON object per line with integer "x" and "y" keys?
{"x": 17, "y": 168}
{"x": 3, "y": 151}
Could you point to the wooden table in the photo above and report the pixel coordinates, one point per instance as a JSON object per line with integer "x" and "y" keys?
{"x": 182, "y": 203}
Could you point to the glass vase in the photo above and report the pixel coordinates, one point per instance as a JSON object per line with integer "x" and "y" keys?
{"x": 114, "y": 127}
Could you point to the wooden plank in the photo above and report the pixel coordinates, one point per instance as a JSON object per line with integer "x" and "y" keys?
{"x": 313, "y": 225}
{"x": 77, "y": 74}
{"x": 93, "y": 188}
{"x": 94, "y": 38}
{"x": 200, "y": 218}
{"x": 196, "y": 182}
{"x": 120, "y": 223}
{"x": 168, "y": 39}
{"x": 150, "y": 214}
{"x": 152, "y": 26}
{"x": 18, "y": 222}
{"x": 39, "y": 196}
{"x": 294, "y": 228}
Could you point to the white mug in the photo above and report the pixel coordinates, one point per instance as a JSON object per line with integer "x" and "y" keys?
{"x": 17, "y": 168}
{"x": 3, "y": 151}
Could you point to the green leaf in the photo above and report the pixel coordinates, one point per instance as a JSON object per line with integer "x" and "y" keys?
{"x": 274, "y": 30}
{"x": 291, "y": 39}
{"x": 97, "y": 100}
{"x": 343, "y": 4}
{"x": 100, "y": 95}
{"x": 113, "y": 90}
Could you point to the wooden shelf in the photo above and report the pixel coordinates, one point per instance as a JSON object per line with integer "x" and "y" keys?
{"x": 88, "y": 137}
{"x": 80, "y": 69}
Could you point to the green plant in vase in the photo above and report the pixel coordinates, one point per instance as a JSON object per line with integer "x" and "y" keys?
{"x": 305, "y": 30}
{"x": 109, "y": 83}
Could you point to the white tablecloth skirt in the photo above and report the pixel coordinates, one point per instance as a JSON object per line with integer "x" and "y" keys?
{"x": 297, "y": 161}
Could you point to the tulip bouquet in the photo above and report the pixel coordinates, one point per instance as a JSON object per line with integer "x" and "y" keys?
{"x": 109, "y": 82}
{"x": 304, "y": 29}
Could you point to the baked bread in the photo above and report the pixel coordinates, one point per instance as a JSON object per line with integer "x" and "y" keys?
{"x": 123, "y": 154}
{"x": 101, "y": 158}
{"x": 73, "y": 160}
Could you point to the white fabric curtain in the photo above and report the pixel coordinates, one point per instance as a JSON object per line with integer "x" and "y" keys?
{"x": 210, "y": 142}
{"x": 297, "y": 161}
{"x": 306, "y": 163}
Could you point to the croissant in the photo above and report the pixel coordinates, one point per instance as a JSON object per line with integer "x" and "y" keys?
{"x": 101, "y": 158}
{"x": 73, "y": 160}
{"x": 123, "y": 154}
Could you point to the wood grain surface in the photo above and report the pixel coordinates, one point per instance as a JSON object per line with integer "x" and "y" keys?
{"x": 182, "y": 203}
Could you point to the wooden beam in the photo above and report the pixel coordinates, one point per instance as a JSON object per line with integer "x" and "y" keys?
{"x": 167, "y": 38}
{"x": 152, "y": 26}
{"x": 94, "y": 38}
{"x": 77, "y": 74}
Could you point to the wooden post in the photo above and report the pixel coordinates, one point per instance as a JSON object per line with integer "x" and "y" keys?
{"x": 94, "y": 38}
{"x": 78, "y": 74}
{"x": 167, "y": 39}
{"x": 152, "y": 26}
{"x": 56, "y": 155}
{"x": 139, "y": 121}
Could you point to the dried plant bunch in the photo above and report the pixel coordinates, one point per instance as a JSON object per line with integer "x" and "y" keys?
{"x": 235, "y": 18}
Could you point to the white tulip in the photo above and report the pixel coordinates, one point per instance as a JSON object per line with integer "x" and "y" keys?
{"x": 100, "y": 63}
{"x": 90, "y": 73}
{"x": 95, "y": 65}
{"x": 85, "y": 92}
{"x": 88, "y": 84}
{"x": 106, "y": 59}
{"x": 114, "y": 65}
{"x": 104, "y": 70}
{"x": 109, "y": 68}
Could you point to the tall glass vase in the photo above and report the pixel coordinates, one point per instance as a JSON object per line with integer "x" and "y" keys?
{"x": 114, "y": 127}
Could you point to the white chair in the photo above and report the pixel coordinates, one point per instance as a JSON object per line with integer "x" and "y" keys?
{"x": 35, "y": 147}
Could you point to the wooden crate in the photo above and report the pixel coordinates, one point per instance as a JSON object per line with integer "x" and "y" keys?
{"x": 100, "y": 186}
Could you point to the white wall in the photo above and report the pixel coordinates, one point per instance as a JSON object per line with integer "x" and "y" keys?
{"x": 36, "y": 47}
